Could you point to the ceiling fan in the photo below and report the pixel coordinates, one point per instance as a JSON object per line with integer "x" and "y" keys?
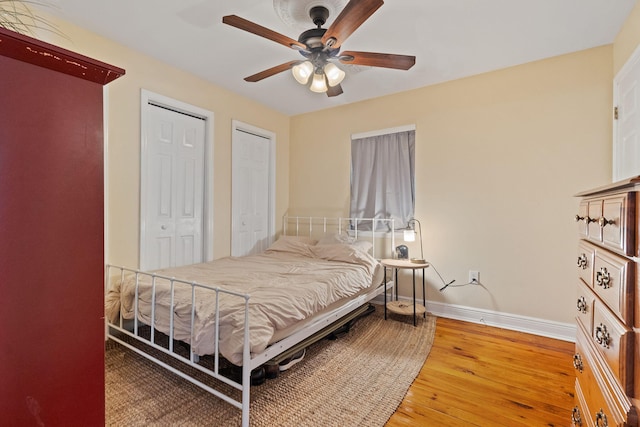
{"x": 321, "y": 47}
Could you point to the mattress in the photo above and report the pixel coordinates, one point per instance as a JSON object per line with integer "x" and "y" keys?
{"x": 289, "y": 283}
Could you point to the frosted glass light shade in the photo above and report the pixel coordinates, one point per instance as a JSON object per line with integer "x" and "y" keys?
{"x": 334, "y": 74}
{"x": 318, "y": 84}
{"x": 302, "y": 72}
{"x": 409, "y": 235}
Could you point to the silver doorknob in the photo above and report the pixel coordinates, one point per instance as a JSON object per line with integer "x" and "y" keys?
{"x": 164, "y": 227}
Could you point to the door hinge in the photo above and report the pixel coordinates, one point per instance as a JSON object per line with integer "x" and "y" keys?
{"x": 615, "y": 113}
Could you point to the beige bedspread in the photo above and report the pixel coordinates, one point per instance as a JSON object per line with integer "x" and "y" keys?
{"x": 289, "y": 282}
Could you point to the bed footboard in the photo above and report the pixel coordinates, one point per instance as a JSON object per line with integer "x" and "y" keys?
{"x": 141, "y": 337}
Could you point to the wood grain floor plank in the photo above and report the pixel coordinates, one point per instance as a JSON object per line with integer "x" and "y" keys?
{"x": 478, "y": 375}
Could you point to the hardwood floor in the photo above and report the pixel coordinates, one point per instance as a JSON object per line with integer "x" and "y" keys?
{"x": 478, "y": 375}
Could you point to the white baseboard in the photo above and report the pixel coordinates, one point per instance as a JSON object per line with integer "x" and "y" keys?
{"x": 531, "y": 325}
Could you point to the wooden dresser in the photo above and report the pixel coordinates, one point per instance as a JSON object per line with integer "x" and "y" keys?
{"x": 607, "y": 357}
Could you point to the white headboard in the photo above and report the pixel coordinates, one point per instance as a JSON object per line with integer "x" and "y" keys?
{"x": 379, "y": 231}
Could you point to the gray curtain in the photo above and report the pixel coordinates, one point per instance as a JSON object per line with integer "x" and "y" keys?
{"x": 382, "y": 177}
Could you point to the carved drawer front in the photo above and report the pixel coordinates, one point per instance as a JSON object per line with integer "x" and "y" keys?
{"x": 580, "y": 415}
{"x": 594, "y": 213}
{"x": 581, "y": 219}
{"x": 612, "y": 282}
{"x": 636, "y": 364}
{"x": 613, "y": 223}
{"x": 606, "y": 220}
{"x": 636, "y": 296}
{"x": 615, "y": 342}
{"x": 601, "y": 402}
{"x": 582, "y": 362}
{"x": 584, "y": 306}
{"x": 585, "y": 260}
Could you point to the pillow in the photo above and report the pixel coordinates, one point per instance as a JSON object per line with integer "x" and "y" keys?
{"x": 336, "y": 238}
{"x": 345, "y": 239}
{"x": 302, "y": 239}
{"x": 292, "y": 244}
{"x": 363, "y": 245}
{"x": 344, "y": 253}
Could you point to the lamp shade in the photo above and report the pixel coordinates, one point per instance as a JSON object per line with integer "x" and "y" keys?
{"x": 302, "y": 72}
{"x": 318, "y": 84}
{"x": 334, "y": 74}
{"x": 409, "y": 235}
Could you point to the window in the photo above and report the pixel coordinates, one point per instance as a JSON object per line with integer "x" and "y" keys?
{"x": 382, "y": 175}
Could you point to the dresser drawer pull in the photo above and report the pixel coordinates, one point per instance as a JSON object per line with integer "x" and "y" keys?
{"x": 601, "y": 419}
{"x": 603, "y": 278}
{"x": 582, "y": 305}
{"x": 602, "y": 336}
{"x": 586, "y": 219}
{"x": 575, "y": 416}
{"x": 577, "y": 362}
{"x": 602, "y": 221}
{"x": 582, "y": 261}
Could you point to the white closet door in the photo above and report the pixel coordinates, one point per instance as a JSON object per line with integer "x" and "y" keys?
{"x": 174, "y": 189}
{"x": 250, "y": 193}
{"x": 626, "y": 145}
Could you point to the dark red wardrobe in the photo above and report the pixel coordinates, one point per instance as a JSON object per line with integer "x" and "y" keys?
{"x": 51, "y": 234}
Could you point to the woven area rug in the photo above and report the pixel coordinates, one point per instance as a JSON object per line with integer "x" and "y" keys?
{"x": 358, "y": 379}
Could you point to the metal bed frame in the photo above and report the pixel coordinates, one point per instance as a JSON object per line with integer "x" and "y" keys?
{"x": 126, "y": 331}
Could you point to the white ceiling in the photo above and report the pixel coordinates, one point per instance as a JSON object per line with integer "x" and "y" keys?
{"x": 450, "y": 39}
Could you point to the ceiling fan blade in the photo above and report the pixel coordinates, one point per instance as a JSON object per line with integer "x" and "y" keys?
{"x": 259, "y": 30}
{"x": 372, "y": 59}
{"x": 351, "y": 17}
{"x": 271, "y": 71}
{"x": 334, "y": 90}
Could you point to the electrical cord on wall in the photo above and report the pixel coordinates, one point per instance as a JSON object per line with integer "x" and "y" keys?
{"x": 446, "y": 285}
{"x": 473, "y": 282}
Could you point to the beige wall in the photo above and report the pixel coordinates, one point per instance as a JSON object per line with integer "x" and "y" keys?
{"x": 627, "y": 40}
{"x": 498, "y": 158}
{"x": 143, "y": 72}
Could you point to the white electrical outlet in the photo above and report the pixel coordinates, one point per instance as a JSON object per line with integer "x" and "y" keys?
{"x": 474, "y": 276}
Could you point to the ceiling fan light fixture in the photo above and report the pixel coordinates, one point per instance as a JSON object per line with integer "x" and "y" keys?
{"x": 318, "y": 84}
{"x": 302, "y": 72}
{"x": 321, "y": 45}
{"x": 334, "y": 74}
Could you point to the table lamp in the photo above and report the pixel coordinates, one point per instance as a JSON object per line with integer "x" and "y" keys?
{"x": 410, "y": 236}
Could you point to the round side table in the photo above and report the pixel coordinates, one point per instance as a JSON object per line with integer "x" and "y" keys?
{"x": 402, "y": 307}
